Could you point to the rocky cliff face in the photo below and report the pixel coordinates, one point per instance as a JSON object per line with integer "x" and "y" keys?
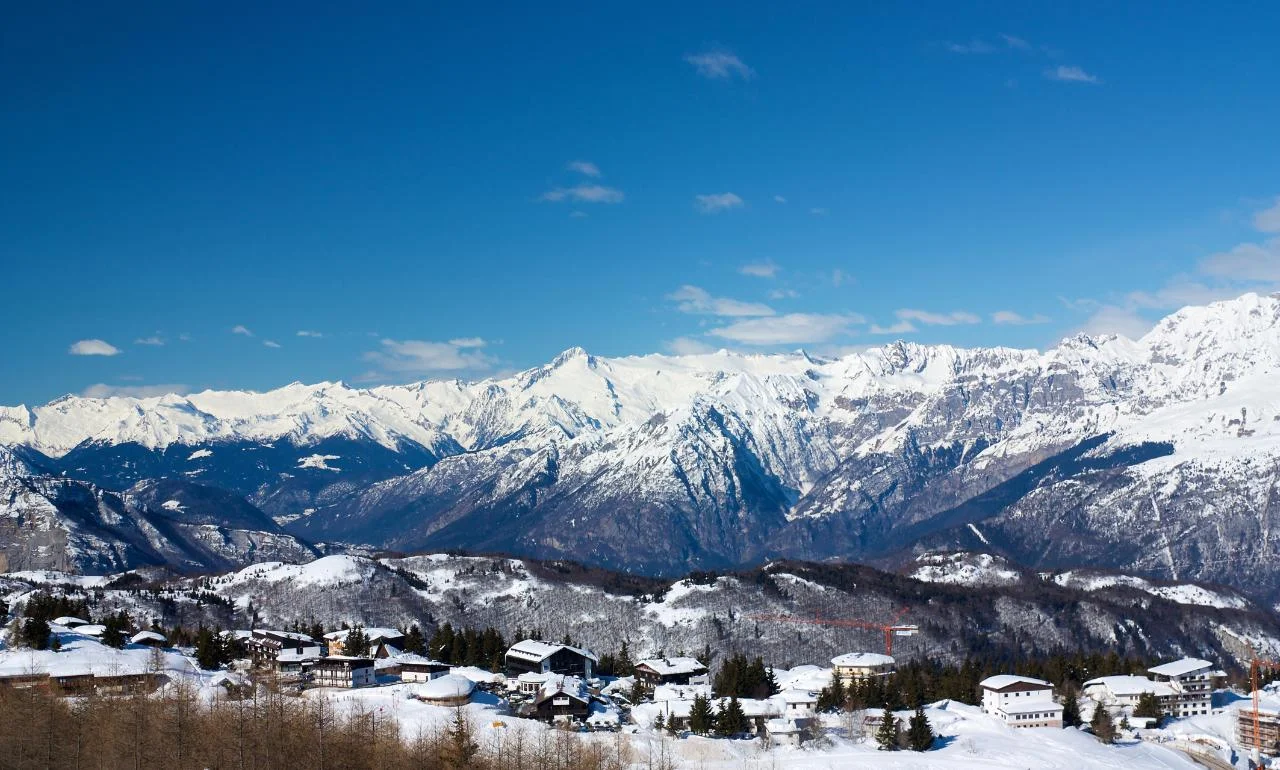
{"x": 1156, "y": 456}
{"x": 51, "y": 522}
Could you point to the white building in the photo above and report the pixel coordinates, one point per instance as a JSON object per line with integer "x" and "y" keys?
{"x": 1020, "y": 701}
{"x": 1126, "y": 690}
{"x": 656, "y": 671}
{"x": 343, "y": 671}
{"x": 798, "y": 704}
{"x": 1192, "y": 682}
{"x": 861, "y": 665}
{"x": 784, "y": 732}
{"x": 415, "y": 668}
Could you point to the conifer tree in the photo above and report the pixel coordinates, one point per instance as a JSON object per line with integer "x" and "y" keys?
{"x": 460, "y": 747}
{"x": 414, "y": 642}
{"x": 357, "y": 642}
{"x": 34, "y": 633}
{"x": 701, "y": 719}
{"x": 887, "y": 734}
{"x": 1102, "y": 726}
{"x": 919, "y": 731}
{"x": 731, "y": 720}
{"x": 1070, "y": 707}
{"x": 1148, "y": 706}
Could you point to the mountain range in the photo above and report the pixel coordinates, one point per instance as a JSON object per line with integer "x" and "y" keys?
{"x": 1157, "y": 457}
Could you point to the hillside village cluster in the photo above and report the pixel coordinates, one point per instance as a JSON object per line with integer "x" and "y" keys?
{"x": 559, "y": 684}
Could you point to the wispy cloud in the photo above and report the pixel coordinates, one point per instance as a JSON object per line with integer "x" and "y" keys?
{"x": 1268, "y": 219}
{"x": 927, "y": 318}
{"x": 688, "y": 346}
{"x": 309, "y": 333}
{"x": 973, "y": 46}
{"x": 783, "y": 294}
{"x": 980, "y": 46}
{"x": 1012, "y": 318}
{"x": 818, "y": 211}
{"x": 428, "y": 357}
{"x": 270, "y": 344}
{"x": 93, "y": 347}
{"x": 840, "y": 277}
{"x": 1066, "y": 74}
{"x": 900, "y": 327}
{"x": 720, "y": 65}
{"x": 693, "y": 299}
{"x": 242, "y": 330}
{"x": 584, "y": 193}
{"x": 1110, "y": 319}
{"x": 102, "y": 390}
{"x": 714, "y": 203}
{"x": 790, "y": 329}
{"x": 584, "y": 167}
{"x": 1249, "y": 266}
{"x": 155, "y": 341}
{"x": 765, "y": 269}
{"x": 779, "y": 199}
{"x": 1016, "y": 43}
{"x": 576, "y": 214}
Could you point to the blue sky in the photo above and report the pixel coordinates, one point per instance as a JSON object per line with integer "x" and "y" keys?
{"x": 461, "y": 191}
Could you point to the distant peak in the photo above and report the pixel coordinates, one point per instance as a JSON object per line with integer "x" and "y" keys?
{"x": 572, "y": 354}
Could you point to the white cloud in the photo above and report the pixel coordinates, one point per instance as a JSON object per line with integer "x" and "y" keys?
{"x": 184, "y": 337}
{"x": 818, "y": 211}
{"x": 584, "y": 167}
{"x": 716, "y": 202}
{"x": 688, "y": 346}
{"x": 584, "y": 193}
{"x": 270, "y": 344}
{"x": 575, "y": 214}
{"x": 102, "y": 390}
{"x": 1246, "y": 262}
{"x": 239, "y": 329}
{"x": 783, "y": 294}
{"x": 901, "y": 327}
{"x": 309, "y": 333}
{"x": 1012, "y": 318}
{"x": 765, "y": 269}
{"x": 973, "y": 46}
{"x": 154, "y": 341}
{"x": 693, "y": 299}
{"x": 720, "y": 65}
{"x": 1067, "y": 74}
{"x": 1111, "y": 319}
{"x": 93, "y": 347}
{"x": 937, "y": 319}
{"x": 840, "y": 277}
{"x": 790, "y": 329}
{"x": 1268, "y": 220}
{"x": 425, "y": 357}
{"x": 779, "y": 199}
{"x": 1016, "y": 43}
{"x": 468, "y": 342}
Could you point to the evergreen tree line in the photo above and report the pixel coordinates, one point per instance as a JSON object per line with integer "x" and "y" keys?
{"x": 468, "y": 647}
{"x": 177, "y": 729}
{"x": 726, "y": 721}
{"x": 743, "y": 678}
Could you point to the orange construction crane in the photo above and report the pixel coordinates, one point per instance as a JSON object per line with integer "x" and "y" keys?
{"x": 891, "y": 629}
